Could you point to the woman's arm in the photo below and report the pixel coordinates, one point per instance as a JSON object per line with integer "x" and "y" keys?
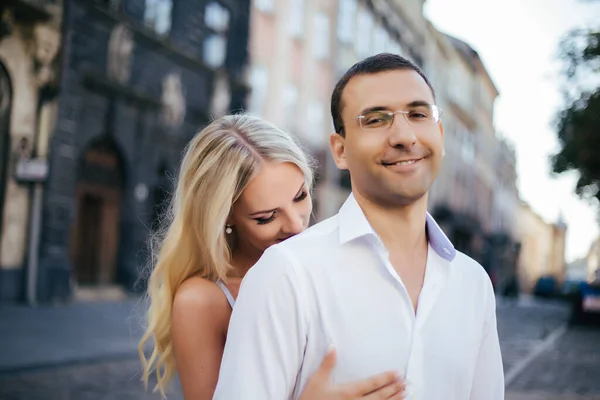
{"x": 199, "y": 323}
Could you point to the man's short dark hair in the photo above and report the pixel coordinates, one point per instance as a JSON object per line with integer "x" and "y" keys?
{"x": 378, "y": 63}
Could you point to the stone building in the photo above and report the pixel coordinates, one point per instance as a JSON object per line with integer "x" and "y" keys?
{"x": 133, "y": 81}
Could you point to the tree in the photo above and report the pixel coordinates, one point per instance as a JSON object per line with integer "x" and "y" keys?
{"x": 578, "y": 124}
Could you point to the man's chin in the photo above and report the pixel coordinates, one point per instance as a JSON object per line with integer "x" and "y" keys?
{"x": 406, "y": 197}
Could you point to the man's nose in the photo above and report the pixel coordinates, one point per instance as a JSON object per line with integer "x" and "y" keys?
{"x": 402, "y": 133}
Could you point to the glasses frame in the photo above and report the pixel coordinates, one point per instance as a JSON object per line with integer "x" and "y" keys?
{"x": 436, "y": 111}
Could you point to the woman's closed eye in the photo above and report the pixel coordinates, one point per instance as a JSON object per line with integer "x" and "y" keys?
{"x": 301, "y": 197}
{"x": 269, "y": 218}
{"x": 265, "y": 220}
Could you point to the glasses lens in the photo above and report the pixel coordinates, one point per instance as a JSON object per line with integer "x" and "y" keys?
{"x": 376, "y": 119}
{"x": 422, "y": 115}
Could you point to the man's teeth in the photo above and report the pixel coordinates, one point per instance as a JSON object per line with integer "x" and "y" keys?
{"x": 406, "y": 162}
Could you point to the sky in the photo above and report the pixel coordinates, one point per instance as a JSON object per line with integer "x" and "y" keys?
{"x": 518, "y": 42}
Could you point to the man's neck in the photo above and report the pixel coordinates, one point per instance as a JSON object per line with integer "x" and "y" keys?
{"x": 401, "y": 228}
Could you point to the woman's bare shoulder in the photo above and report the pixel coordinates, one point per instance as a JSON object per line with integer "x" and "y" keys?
{"x": 200, "y": 298}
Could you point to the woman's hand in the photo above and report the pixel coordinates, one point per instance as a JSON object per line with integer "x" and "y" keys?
{"x": 388, "y": 385}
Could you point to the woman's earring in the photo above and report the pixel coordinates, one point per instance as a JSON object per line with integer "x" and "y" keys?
{"x": 228, "y": 229}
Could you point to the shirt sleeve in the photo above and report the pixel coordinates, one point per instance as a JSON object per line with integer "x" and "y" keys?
{"x": 488, "y": 380}
{"x": 267, "y": 333}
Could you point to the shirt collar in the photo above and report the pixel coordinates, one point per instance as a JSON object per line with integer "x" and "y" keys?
{"x": 353, "y": 224}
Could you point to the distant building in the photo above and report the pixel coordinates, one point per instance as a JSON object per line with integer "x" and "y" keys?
{"x": 108, "y": 107}
{"x": 577, "y": 270}
{"x": 542, "y": 251}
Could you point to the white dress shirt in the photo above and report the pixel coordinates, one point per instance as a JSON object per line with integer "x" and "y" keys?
{"x": 334, "y": 285}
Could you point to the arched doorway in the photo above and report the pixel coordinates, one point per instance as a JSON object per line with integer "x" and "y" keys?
{"x": 5, "y": 109}
{"x": 98, "y": 193}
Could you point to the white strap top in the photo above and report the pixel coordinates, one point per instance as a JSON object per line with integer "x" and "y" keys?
{"x": 227, "y": 293}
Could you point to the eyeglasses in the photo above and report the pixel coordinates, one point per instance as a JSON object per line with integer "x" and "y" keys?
{"x": 418, "y": 116}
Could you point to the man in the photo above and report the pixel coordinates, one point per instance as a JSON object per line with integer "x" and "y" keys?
{"x": 379, "y": 281}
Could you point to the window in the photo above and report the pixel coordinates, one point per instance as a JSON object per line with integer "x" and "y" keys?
{"x": 290, "y": 101}
{"x": 296, "y": 18}
{"x": 364, "y": 26}
{"x": 380, "y": 39}
{"x": 314, "y": 123}
{"x": 346, "y": 15}
{"x": 461, "y": 85}
{"x": 259, "y": 82}
{"x": 265, "y": 6}
{"x": 321, "y": 36}
{"x": 215, "y": 50}
{"x": 157, "y": 15}
{"x": 216, "y": 19}
{"x": 468, "y": 147}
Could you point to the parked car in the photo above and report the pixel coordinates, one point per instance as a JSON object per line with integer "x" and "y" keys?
{"x": 546, "y": 286}
{"x": 571, "y": 288}
{"x": 587, "y": 304}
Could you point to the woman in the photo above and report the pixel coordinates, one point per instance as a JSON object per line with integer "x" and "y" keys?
{"x": 243, "y": 185}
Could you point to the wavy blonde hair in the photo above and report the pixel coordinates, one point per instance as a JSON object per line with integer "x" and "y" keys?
{"x": 218, "y": 164}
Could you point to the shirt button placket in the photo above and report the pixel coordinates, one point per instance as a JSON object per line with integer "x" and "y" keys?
{"x": 414, "y": 372}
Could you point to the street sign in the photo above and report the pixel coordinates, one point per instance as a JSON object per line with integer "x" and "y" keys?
{"x": 31, "y": 170}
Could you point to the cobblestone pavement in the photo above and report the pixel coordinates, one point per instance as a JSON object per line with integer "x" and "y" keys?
{"x": 525, "y": 326}
{"x": 568, "y": 371}
{"x": 107, "y": 380}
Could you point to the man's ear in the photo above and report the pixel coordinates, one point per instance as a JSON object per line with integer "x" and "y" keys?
{"x": 337, "y": 143}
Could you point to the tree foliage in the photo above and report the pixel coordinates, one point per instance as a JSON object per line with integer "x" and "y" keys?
{"x": 578, "y": 123}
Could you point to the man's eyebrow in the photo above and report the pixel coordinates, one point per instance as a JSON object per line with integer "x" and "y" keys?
{"x": 419, "y": 103}
{"x": 375, "y": 108}
{"x": 414, "y": 103}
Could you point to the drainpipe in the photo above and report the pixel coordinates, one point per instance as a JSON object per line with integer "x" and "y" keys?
{"x": 34, "y": 242}
{"x": 46, "y": 112}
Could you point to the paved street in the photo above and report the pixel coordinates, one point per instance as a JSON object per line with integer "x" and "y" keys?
{"x": 525, "y": 326}
{"x": 569, "y": 370}
{"x": 566, "y": 369}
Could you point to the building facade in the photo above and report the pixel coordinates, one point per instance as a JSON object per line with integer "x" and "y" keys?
{"x": 475, "y": 196}
{"x": 291, "y": 71}
{"x": 30, "y": 43}
{"x": 542, "y": 251}
{"x": 136, "y": 80}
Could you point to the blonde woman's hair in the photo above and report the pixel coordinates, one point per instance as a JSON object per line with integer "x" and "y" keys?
{"x": 218, "y": 164}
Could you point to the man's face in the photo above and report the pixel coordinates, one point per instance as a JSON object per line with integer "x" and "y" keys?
{"x": 390, "y": 165}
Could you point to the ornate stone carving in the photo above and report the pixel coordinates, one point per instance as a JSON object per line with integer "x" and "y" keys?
{"x": 221, "y": 97}
{"x": 173, "y": 100}
{"x": 7, "y": 22}
{"x": 47, "y": 44}
{"x": 120, "y": 50}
